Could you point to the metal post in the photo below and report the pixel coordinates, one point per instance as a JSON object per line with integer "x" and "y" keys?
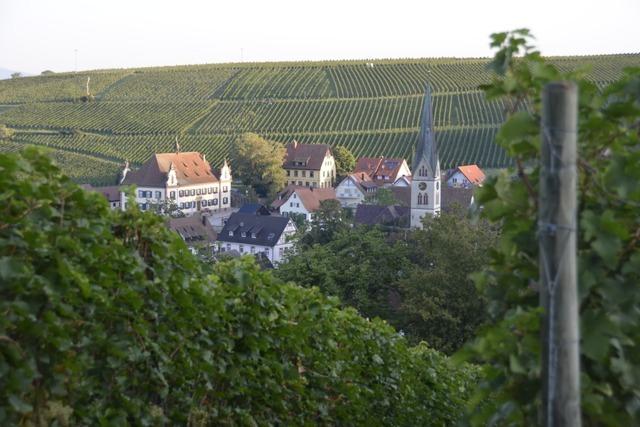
{"x": 557, "y": 234}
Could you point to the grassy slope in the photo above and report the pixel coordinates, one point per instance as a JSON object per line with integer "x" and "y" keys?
{"x": 372, "y": 107}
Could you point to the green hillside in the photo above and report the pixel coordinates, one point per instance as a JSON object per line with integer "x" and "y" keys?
{"x": 372, "y": 107}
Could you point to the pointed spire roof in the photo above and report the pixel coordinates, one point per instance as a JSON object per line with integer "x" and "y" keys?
{"x": 427, "y": 148}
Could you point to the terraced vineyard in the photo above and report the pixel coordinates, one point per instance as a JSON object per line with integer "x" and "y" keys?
{"x": 372, "y": 107}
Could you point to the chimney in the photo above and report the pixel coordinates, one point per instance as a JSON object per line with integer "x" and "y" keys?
{"x": 204, "y": 157}
{"x": 362, "y": 176}
{"x": 295, "y": 144}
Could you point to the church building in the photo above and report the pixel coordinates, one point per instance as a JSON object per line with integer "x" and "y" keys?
{"x": 425, "y": 183}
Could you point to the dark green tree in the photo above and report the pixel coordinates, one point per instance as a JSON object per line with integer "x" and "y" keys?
{"x": 258, "y": 163}
{"x": 107, "y": 319}
{"x": 328, "y": 220}
{"x": 345, "y": 162}
{"x": 440, "y": 303}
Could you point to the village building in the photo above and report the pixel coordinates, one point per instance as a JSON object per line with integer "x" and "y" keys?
{"x": 247, "y": 233}
{"x": 383, "y": 171}
{"x": 467, "y": 176}
{"x": 397, "y": 216}
{"x": 184, "y": 180}
{"x": 304, "y": 201}
{"x": 196, "y": 231}
{"x": 425, "y": 182}
{"x": 111, "y": 193}
{"x": 354, "y": 189}
{"x": 310, "y": 165}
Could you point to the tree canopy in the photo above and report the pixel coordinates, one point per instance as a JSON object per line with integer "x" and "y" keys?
{"x": 107, "y": 319}
{"x": 417, "y": 280}
{"x": 258, "y": 163}
{"x": 345, "y": 162}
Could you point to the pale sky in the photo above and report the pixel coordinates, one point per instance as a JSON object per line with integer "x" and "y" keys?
{"x": 36, "y": 35}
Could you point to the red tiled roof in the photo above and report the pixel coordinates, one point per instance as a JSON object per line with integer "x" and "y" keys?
{"x": 191, "y": 168}
{"x": 473, "y": 173}
{"x": 380, "y": 166}
{"x": 311, "y": 154}
{"x": 311, "y": 197}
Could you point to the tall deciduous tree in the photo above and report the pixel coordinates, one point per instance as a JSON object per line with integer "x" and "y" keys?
{"x": 440, "y": 303}
{"x": 258, "y": 163}
{"x": 345, "y": 162}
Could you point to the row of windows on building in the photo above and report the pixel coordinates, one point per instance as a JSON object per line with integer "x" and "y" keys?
{"x": 203, "y": 203}
{"x": 303, "y": 173}
{"x": 311, "y": 184}
{"x": 252, "y": 249}
{"x": 182, "y": 193}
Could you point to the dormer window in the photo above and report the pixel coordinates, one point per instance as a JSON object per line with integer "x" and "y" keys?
{"x": 243, "y": 234}
{"x": 254, "y": 235}
{"x": 271, "y": 236}
{"x": 230, "y": 233}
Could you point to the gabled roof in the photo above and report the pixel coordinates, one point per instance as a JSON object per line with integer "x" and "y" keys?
{"x": 191, "y": 168}
{"x": 267, "y": 229}
{"x": 368, "y": 165}
{"x": 311, "y": 197}
{"x": 193, "y": 229}
{"x": 380, "y": 166}
{"x": 362, "y": 181}
{"x": 254, "y": 208}
{"x": 311, "y": 154}
{"x": 376, "y": 214}
{"x": 450, "y": 196}
{"x": 111, "y": 193}
{"x": 284, "y": 195}
{"x": 473, "y": 173}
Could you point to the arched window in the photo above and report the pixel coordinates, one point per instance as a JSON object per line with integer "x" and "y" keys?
{"x": 422, "y": 171}
{"x": 425, "y": 199}
{"x": 419, "y": 198}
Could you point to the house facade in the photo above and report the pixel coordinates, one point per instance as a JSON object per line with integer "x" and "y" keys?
{"x": 354, "y": 188}
{"x": 384, "y": 171}
{"x": 251, "y": 234}
{"x": 467, "y": 176}
{"x": 310, "y": 165}
{"x": 305, "y": 201}
{"x": 184, "y": 180}
{"x": 196, "y": 231}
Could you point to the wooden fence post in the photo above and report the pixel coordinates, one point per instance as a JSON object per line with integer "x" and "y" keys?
{"x": 558, "y": 270}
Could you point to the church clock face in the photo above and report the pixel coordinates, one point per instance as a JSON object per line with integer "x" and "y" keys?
{"x": 422, "y": 186}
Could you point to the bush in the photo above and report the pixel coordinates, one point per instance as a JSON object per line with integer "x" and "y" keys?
{"x": 108, "y": 319}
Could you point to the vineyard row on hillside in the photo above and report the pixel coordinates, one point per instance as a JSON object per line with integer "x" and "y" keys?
{"x": 281, "y": 81}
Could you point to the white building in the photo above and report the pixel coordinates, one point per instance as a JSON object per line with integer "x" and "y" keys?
{"x": 354, "y": 189}
{"x": 425, "y": 182}
{"x": 248, "y": 233}
{"x": 183, "y": 179}
{"x": 467, "y": 176}
{"x": 303, "y": 200}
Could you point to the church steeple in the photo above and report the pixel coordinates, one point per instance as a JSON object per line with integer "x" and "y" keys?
{"x": 425, "y": 184}
{"x": 427, "y": 149}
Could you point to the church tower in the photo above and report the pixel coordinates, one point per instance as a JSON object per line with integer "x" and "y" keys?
{"x": 425, "y": 185}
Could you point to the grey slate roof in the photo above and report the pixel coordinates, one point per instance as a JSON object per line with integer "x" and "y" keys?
{"x": 375, "y": 214}
{"x": 451, "y": 196}
{"x": 267, "y": 229}
{"x": 427, "y": 148}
